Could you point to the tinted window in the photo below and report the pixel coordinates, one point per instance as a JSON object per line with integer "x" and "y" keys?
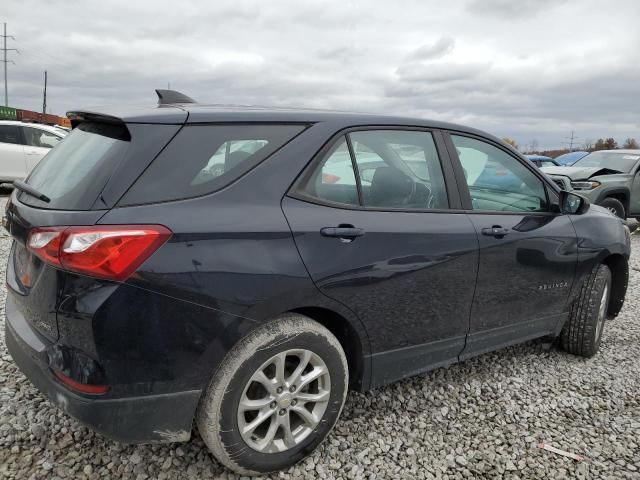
{"x": 497, "y": 181}
{"x": 74, "y": 173}
{"x": 399, "y": 169}
{"x": 334, "y": 180}
{"x": 36, "y": 137}
{"x": 9, "y": 134}
{"x": 205, "y": 158}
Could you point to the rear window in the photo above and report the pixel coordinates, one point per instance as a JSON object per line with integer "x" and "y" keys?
{"x": 204, "y": 158}
{"x": 74, "y": 173}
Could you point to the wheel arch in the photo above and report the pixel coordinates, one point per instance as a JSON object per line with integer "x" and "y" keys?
{"x": 619, "y": 193}
{"x": 619, "y": 267}
{"x": 354, "y": 345}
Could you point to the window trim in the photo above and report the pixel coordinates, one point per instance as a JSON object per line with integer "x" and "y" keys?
{"x": 453, "y": 198}
{"x": 461, "y": 181}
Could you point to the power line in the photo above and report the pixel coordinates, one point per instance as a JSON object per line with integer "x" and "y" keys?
{"x": 571, "y": 140}
{"x": 5, "y": 61}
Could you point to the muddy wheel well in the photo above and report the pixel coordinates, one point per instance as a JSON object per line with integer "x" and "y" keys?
{"x": 619, "y": 278}
{"x": 346, "y": 335}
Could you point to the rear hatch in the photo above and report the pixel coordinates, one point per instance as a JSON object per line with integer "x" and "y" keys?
{"x": 83, "y": 177}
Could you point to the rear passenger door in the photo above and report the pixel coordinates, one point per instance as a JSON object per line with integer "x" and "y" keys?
{"x": 12, "y": 159}
{"x": 528, "y": 250}
{"x": 378, "y": 224}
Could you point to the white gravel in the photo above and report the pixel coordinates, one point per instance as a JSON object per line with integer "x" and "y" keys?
{"x": 481, "y": 418}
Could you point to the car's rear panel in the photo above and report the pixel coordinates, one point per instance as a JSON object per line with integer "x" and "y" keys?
{"x": 35, "y": 288}
{"x": 158, "y": 333}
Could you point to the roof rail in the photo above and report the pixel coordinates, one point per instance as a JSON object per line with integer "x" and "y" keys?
{"x": 168, "y": 97}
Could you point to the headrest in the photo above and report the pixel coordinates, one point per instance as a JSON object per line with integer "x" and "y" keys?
{"x": 390, "y": 187}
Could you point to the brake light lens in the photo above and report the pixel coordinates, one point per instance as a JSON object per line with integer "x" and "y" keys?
{"x": 112, "y": 252}
{"x": 81, "y": 387}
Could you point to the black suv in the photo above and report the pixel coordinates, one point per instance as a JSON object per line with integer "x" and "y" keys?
{"x": 244, "y": 267}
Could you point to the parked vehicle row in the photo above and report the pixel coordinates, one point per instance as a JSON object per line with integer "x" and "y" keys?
{"x": 610, "y": 178}
{"x": 568, "y": 159}
{"x": 245, "y": 267}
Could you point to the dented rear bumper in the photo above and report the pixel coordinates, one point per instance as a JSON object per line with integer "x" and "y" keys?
{"x": 143, "y": 419}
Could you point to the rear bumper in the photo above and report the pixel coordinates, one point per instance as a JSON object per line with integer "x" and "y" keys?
{"x": 143, "y": 419}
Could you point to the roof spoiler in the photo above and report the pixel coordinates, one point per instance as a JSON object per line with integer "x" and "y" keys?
{"x": 78, "y": 117}
{"x": 168, "y": 97}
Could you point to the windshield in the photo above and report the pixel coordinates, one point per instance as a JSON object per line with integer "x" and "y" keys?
{"x": 621, "y": 162}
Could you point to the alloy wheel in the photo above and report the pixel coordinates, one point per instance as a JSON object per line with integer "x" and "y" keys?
{"x": 284, "y": 401}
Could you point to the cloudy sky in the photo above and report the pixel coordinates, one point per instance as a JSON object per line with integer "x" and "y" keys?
{"x": 529, "y": 69}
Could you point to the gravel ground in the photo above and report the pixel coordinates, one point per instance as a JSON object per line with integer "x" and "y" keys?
{"x": 483, "y": 418}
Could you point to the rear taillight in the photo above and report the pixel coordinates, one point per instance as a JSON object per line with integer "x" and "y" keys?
{"x": 106, "y": 251}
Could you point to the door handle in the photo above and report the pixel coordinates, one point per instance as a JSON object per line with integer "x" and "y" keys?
{"x": 342, "y": 231}
{"x": 495, "y": 231}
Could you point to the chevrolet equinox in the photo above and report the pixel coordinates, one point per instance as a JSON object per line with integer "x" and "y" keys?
{"x": 243, "y": 267}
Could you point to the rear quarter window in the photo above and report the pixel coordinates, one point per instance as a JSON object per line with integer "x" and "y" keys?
{"x": 204, "y": 158}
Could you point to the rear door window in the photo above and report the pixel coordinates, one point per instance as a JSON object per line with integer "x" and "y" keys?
{"x": 204, "y": 158}
{"x": 399, "y": 169}
{"x": 334, "y": 180}
{"x": 10, "y": 134}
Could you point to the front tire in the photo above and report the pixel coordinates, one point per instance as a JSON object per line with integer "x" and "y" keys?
{"x": 275, "y": 397}
{"x": 614, "y": 206}
{"x": 582, "y": 334}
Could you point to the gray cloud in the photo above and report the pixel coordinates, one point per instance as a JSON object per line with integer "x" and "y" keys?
{"x": 558, "y": 67}
{"x": 440, "y": 48}
{"x": 513, "y": 10}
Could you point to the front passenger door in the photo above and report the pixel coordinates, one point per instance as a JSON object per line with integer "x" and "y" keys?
{"x": 528, "y": 253}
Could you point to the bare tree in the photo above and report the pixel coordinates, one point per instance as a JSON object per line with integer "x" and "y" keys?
{"x": 587, "y": 144}
{"x": 611, "y": 143}
{"x": 631, "y": 143}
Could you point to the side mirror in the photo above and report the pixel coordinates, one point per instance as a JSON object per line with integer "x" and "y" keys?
{"x": 572, "y": 203}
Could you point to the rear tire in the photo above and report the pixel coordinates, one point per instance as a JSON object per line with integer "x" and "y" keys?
{"x": 582, "y": 334}
{"x": 614, "y": 206}
{"x": 250, "y": 385}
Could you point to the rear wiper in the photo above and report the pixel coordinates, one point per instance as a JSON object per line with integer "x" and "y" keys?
{"x": 29, "y": 190}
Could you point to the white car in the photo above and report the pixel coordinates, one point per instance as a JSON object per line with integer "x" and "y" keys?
{"x": 22, "y": 145}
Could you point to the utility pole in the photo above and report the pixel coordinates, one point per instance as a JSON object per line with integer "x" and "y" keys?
{"x": 44, "y": 100}
{"x": 5, "y": 61}
{"x": 571, "y": 140}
